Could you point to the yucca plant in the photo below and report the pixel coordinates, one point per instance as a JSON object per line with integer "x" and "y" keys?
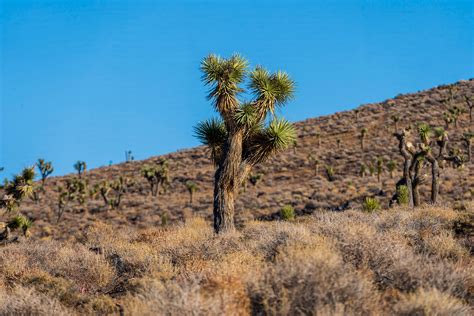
{"x": 247, "y": 133}
{"x": 80, "y": 167}
{"x": 403, "y": 195}
{"x": 467, "y": 138}
{"x": 330, "y": 173}
{"x": 255, "y": 178}
{"x": 192, "y": 187}
{"x": 391, "y": 166}
{"x": 370, "y": 204}
{"x": 441, "y": 137}
{"x": 395, "y": 119}
{"x": 362, "y": 170}
{"x": 448, "y": 119}
{"x": 20, "y": 222}
{"x": 14, "y": 192}
{"x": 470, "y": 106}
{"x": 362, "y": 136}
{"x": 456, "y": 112}
{"x": 157, "y": 176}
{"x": 45, "y": 169}
{"x": 287, "y": 213}
{"x": 424, "y": 130}
{"x": 379, "y": 164}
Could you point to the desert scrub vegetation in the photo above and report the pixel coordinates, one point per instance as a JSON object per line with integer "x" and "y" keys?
{"x": 396, "y": 261}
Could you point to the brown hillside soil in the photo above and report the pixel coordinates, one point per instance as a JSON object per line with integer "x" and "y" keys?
{"x": 288, "y": 178}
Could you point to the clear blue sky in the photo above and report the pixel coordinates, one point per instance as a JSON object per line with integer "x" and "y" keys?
{"x": 89, "y": 79}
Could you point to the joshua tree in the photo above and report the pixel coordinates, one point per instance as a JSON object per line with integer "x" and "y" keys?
{"x": 415, "y": 160}
{"x": 14, "y": 192}
{"x": 75, "y": 189}
{"x": 455, "y": 112}
{"x": 338, "y": 141}
{"x": 315, "y": 162}
{"x": 330, "y": 173}
{"x": 128, "y": 156}
{"x": 391, "y": 166}
{"x": 470, "y": 106}
{"x": 192, "y": 187}
{"x": 379, "y": 164}
{"x": 363, "y": 170}
{"x": 45, "y": 169}
{"x": 467, "y": 138}
{"x": 80, "y": 167}
{"x": 318, "y": 138}
{"x": 371, "y": 167}
{"x": 239, "y": 139}
{"x": 363, "y": 133}
{"x": 117, "y": 187}
{"x": 448, "y": 119}
{"x": 157, "y": 176}
{"x": 356, "y": 113}
{"x": 396, "y": 119}
{"x": 441, "y": 140}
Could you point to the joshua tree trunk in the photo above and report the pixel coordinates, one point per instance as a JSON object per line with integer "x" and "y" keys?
{"x": 406, "y": 166}
{"x": 191, "y": 197}
{"x": 226, "y": 184}
{"x": 417, "y": 179}
{"x": 362, "y": 143}
{"x": 434, "y": 178}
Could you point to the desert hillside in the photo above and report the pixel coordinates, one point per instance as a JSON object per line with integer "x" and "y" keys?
{"x": 289, "y": 178}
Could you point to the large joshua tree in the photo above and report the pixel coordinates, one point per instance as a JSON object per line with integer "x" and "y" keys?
{"x": 247, "y": 133}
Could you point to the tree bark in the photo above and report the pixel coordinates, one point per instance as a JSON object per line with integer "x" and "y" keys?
{"x": 406, "y": 166}
{"x": 434, "y": 177}
{"x": 226, "y": 181}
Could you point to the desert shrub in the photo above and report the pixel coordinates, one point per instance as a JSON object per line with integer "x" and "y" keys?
{"x": 287, "y": 213}
{"x": 370, "y": 204}
{"x": 430, "y": 302}
{"x": 24, "y": 301}
{"x": 403, "y": 195}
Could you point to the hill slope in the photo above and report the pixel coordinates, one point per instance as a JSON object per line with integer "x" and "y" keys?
{"x": 288, "y": 178}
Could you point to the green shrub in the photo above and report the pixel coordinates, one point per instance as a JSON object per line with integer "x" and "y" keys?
{"x": 371, "y": 204}
{"x": 402, "y": 195}
{"x": 287, "y": 213}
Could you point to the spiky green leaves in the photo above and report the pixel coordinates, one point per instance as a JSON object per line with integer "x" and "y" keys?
{"x": 20, "y": 187}
{"x": 20, "y": 222}
{"x": 277, "y": 136}
{"x": 224, "y": 77}
{"x": 270, "y": 89}
{"x": 212, "y": 133}
{"x": 424, "y": 130}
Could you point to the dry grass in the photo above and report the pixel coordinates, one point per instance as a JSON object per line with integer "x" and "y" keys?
{"x": 350, "y": 263}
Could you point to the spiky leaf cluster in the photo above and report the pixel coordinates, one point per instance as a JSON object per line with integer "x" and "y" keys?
{"x": 15, "y": 190}
{"x": 260, "y": 138}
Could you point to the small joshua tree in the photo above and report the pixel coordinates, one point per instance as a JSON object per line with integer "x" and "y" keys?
{"x": 448, "y": 119}
{"x": 112, "y": 192}
{"x": 330, "y": 173}
{"x": 157, "y": 176}
{"x": 441, "y": 140}
{"x": 391, "y": 166}
{"x": 362, "y": 170}
{"x": 379, "y": 166}
{"x": 315, "y": 162}
{"x": 470, "y": 106}
{"x": 467, "y": 138}
{"x": 80, "y": 167}
{"x": 318, "y": 139}
{"x": 192, "y": 187}
{"x": 455, "y": 112}
{"x": 338, "y": 141}
{"x": 74, "y": 190}
{"x": 45, "y": 169}
{"x": 371, "y": 167}
{"x": 240, "y": 139}
{"x": 363, "y": 134}
{"x": 403, "y": 196}
{"x": 396, "y": 119}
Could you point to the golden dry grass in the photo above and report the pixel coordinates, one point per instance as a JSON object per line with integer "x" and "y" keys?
{"x": 398, "y": 261}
